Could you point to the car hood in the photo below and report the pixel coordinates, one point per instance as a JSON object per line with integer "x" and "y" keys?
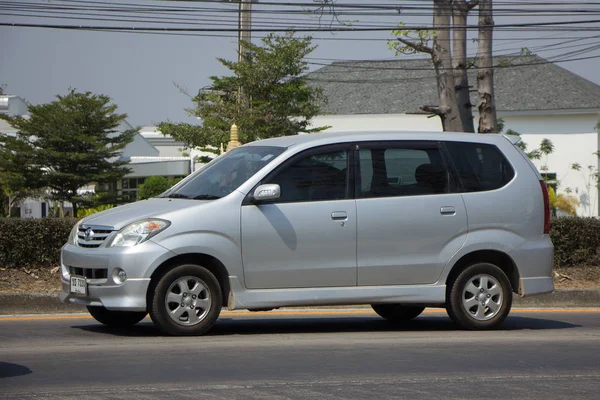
{"x": 124, "y": 215}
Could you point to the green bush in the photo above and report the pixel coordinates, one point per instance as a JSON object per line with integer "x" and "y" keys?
{"x": 33, "y": 242}
{"x": 37, "y": 242}
{"x": 152, "y": 187}
{"x": 86, "y": 212}
{"x": 576, "y": 241}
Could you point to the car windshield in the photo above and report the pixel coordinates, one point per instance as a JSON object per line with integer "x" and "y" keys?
{"x": 225, "y": 174}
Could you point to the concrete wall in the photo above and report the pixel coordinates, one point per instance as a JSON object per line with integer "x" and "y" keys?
{"x": 570, "y": 149}
{"x": 575, "y": 140}
{"x": 167, "y": 147}
{"x": 374, "y": 122}
{"x": 171, "y": 168}
{"x": 31, "y": 209}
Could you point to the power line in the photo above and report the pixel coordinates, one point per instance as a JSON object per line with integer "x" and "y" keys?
{"x": 555, "y": 25}
{"x": 102, "y": 6}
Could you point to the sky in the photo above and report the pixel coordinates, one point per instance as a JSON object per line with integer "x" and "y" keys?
{"x": 143, "y": 71}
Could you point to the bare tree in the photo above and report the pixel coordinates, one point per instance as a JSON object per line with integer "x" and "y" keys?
{"x": 488, "y": 121}
{"x": 460, "y": 12}
{"x": 446, "y": 44}
{"x": 441, "y": 56}
{"x": 440, "y": 51}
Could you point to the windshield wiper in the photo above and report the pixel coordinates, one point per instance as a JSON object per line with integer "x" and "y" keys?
{"x": 207, "y": 197}
{"x": 177, "y": 196}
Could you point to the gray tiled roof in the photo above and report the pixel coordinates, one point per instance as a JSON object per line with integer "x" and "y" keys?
{"x": 402, "y": 86}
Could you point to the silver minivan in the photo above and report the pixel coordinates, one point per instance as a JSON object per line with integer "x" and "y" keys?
{"x": 397, "y": 220}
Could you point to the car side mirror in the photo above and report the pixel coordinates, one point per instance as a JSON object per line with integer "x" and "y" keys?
{"x": 267, "y": 192}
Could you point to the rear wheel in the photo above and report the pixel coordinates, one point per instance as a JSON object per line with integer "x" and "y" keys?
{"x": 187, "y": 301}
{"x": 480, "y": 297}
{"x": 116, "y": 319}
{"x": 397, "y": 312}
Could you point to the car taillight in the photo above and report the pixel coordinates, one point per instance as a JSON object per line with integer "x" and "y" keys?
{"x": 546, "y": 207}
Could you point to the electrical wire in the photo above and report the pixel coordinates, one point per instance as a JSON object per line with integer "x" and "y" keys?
{"x": 218, "y": 19}
{"x": 547, "y": 25}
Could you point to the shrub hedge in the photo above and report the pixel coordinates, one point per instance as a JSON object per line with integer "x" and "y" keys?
{"x": 576, "y": 241}
{"x": 37, "y": 242}
{"x": 33, "y": 242}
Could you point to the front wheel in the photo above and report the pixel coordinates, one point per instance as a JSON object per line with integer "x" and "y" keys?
{"x": 397, "y": 312}
{"x": 480, "y": 297}
{"x": 116, "y": 319}
{"x": 187, "y": 301}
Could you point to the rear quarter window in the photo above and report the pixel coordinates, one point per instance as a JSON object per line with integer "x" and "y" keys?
{"x": 480, "y": 166}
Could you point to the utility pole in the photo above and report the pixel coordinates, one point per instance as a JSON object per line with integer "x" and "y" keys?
{"x": 244, "y": 23}
{"x": 244, "y": 36}
{"x": 244, "y": 26}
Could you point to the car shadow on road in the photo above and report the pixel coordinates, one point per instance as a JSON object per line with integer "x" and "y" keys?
{"x": 343, "y": 324}
{"x": 9, "y": 370}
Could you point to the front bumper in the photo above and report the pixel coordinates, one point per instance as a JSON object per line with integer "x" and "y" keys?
{"x": 139, "y": 262}
{"x": 130, "y": 296}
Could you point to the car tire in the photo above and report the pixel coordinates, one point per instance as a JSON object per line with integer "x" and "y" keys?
{"x": 116, "y": 319}
{"x": 187, "y": 301}
{"x": 397, "y": 312}
{"x": 479, "y": 297}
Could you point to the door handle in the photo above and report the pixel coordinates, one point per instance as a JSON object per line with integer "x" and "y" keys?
{"x": 448, "y": 210}
{"x": 339, "y": 215}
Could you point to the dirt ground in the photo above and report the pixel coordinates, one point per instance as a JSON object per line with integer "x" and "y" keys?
{"x": 47, "y": 280}
{"x": 29, "y": 280}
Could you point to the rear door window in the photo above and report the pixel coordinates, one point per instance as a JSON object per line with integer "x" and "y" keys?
{"x": 401, "y": 169}
{"x": 480, "y": 166}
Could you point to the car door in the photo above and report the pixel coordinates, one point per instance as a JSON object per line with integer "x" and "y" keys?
{"x": 307, "y": 237}
{"x": 410, "y": 220}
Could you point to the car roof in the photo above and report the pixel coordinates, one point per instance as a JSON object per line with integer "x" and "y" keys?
{"x": 324, "y": 138}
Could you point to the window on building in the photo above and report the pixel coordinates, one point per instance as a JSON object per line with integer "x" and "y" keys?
{"x": 550, "y": 179}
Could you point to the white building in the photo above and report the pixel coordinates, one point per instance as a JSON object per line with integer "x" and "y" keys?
{"x": 535, "y": 98}
{"x": 169, "y": 147}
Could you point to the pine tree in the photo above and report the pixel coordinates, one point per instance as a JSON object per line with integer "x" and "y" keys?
{"x": 74, "y": 141}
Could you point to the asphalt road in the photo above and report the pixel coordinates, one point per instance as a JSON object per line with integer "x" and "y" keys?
{"x": 338, "y": 354}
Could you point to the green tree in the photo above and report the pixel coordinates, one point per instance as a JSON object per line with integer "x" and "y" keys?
{"x": 153, "y": 186}
{"x": 265, "y": 96}
{"x": 75, "y": 140}
{"x": 546, "y": 148}
{"x": 591, "y": 178}
{"x": 20, "y": 177}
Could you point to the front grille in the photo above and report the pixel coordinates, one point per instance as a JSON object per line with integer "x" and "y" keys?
{"x": 91, "y": 236}
{"x": 90, "y": 273}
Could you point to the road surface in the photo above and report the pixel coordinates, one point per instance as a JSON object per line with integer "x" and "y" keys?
{"x": 335, "y": 354}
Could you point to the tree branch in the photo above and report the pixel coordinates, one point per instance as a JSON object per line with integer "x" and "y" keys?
{"x": 418, "y": 47}
{"x": 472, "y": 4}
{"x": 433, "y": 109}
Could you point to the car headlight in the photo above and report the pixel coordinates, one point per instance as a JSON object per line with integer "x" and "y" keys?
{"x": 138, "y": 232}
{"x": 73, "y": 235}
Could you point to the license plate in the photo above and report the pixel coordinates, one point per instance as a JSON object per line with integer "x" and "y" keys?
{"x": 78, "y": 285}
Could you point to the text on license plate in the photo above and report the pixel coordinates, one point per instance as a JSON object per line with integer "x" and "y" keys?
{"x": 78, "y": 285}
